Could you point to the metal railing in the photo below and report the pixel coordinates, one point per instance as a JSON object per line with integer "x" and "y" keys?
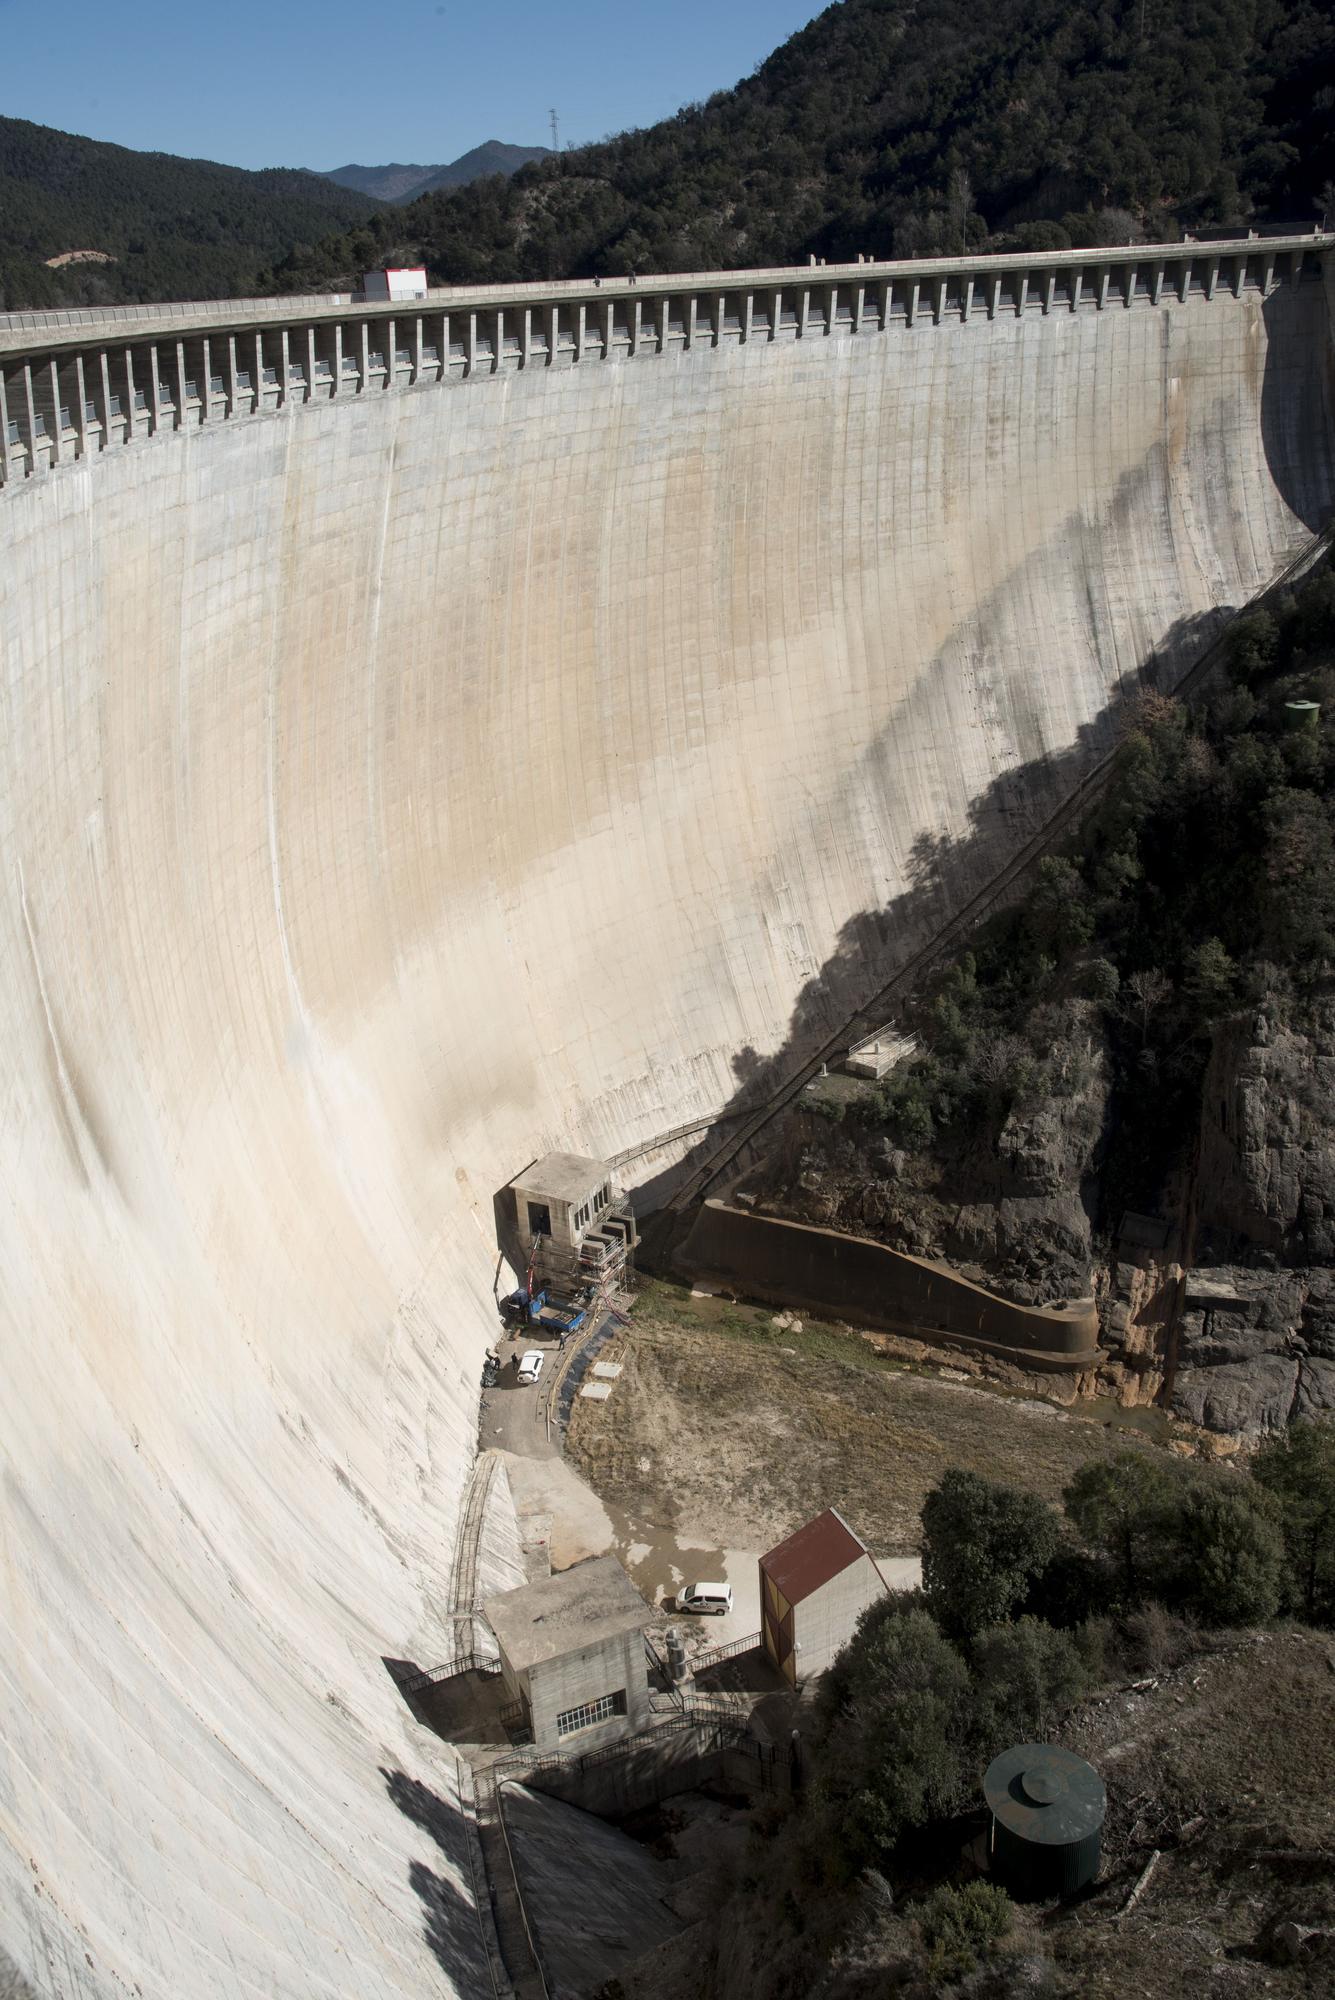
{"x": 448, "y": 1670}
{"x": 750, "y": 1644}
{"x": 721, "y": 1723}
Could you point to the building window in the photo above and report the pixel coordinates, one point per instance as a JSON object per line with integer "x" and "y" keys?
{"x": 589, "y": 1712}
{"x": 539, "y": 1219}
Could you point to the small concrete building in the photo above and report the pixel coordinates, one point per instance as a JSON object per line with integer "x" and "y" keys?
{"x": 561, "y": 1196}
{"x": 813, "y": 1589}
{"x": 572, "y": 1651}
{"x": 405, "y": 283}
{"x": 574, "y": 1225}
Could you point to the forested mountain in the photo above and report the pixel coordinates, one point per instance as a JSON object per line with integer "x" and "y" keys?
{"x": 882, "y": 127}
{"x": 398, "y": 183}
{"x": 902, "y": 130}
{"x": 162, "y": 227}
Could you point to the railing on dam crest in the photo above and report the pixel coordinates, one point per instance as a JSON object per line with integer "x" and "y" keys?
{"x": 75, "y": 384}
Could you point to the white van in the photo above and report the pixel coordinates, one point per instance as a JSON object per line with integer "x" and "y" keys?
{"x": 709, "y": 1599}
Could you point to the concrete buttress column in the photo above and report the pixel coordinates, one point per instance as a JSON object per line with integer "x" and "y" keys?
{"x": 284, "y": 369}
{"x": 6, "y": 468}
{"x": 30, "y": 404}
{"x": 1157, "y": 285}
{"x": 1104, "y": 276}
{"x": 154, "y": 387}
{"x": 1049, "y": 291}
{"x": 993, "y": 298}
{"x": 718, "y": 321}
{"x": 911, "y": 311}
{"x": 57, "y": 427}
{"x": 81, "y": 414}
{"x": 775, "y": 313}
{"x": 104, "y": 371}
{"x": 939, "y": 302}
{"x": 1021, "y": 293}
{"x": 472, "y": 344}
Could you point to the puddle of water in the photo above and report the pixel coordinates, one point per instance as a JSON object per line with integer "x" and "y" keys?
{"x": 1147, "y": 1418}
{"x": 660, "y": 1562}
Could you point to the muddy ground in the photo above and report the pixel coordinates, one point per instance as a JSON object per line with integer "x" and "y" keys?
{"x": 732, "y": 1425}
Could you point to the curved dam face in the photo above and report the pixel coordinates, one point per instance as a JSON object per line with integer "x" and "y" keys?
{"x": 399, "y": 785}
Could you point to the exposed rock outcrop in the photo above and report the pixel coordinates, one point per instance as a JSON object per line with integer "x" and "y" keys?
{"x": 1256, "y": 1336}
{"x": 1008, "y": 1202}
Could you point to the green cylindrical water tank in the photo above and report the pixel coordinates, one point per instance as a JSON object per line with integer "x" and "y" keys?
{"x": 1047, "y": 1820}
{"x": 1302, "y": 714}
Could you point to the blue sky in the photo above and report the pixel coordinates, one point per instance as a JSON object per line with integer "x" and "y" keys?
{"x": 293, "y": 84}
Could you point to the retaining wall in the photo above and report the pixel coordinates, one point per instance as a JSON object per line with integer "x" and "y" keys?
{"x": 854, "y": 1278}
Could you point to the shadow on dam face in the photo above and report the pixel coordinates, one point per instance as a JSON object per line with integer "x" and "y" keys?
{"x": 394, "y": 790}
{"x": 1297, "y": 406}
{"x": 944, "y": 873}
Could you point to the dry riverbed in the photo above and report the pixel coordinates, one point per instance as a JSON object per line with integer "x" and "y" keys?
{"x": 732, "y": 1424}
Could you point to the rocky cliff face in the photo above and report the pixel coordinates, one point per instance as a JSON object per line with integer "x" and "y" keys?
{"x": 1232, "y": 1323}
{"x": 1007, "y": 1204}
{"x": 1255, "y": 1345}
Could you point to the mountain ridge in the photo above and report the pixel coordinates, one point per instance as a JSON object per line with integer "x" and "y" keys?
{"x": 1041, "y": 124}
{"x": 399, "y": 182}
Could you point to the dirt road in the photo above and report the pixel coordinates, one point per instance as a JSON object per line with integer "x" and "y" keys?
{"x": 732, "y": 1425}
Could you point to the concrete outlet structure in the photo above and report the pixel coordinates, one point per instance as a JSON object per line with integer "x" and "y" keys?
{"x": 572, "y": 1651}
{"x": 435, "y": 733}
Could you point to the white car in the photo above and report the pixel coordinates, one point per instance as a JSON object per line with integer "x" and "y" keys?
{"x": 710, "y": 1600}
{"x": 530, "y": 1365}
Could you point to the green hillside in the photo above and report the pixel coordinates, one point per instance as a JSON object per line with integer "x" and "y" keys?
{"x": 176, "y": 229}
{"x": 903, "y": 131}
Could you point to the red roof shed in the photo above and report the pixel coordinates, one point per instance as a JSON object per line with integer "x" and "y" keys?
{"x": 813, "y": 1589}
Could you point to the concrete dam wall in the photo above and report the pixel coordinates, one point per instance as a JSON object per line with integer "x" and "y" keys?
{"x": 409, "y": 768}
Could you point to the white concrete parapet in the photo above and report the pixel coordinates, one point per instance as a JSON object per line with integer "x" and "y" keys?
{"x": 73, "y": 384}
